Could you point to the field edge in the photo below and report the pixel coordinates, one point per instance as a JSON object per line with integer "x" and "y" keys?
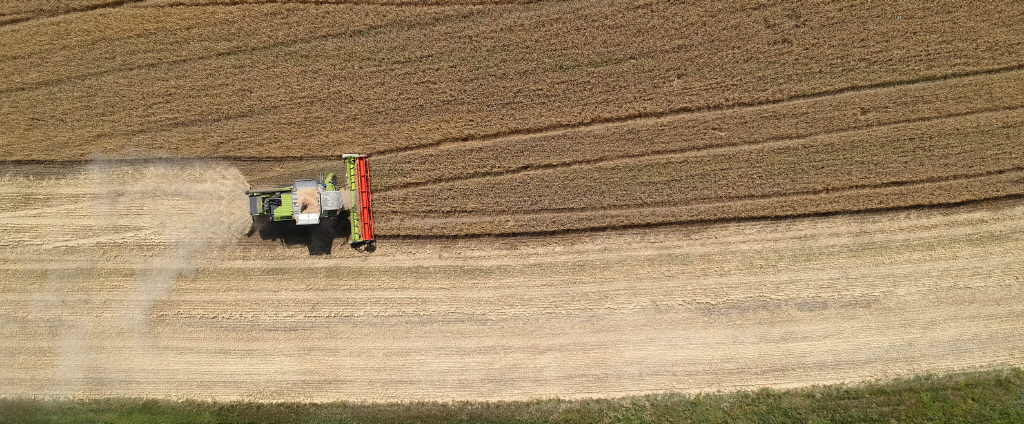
{"x": 991, "y": 395}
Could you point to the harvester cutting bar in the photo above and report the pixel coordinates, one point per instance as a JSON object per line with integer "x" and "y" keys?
{"x": 363, "y": 190}
{"x": 358, "y": 171}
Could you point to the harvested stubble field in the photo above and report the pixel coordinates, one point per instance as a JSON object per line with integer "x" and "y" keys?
{"x": 695, "y": 196}
{"x": 118, "y": 298}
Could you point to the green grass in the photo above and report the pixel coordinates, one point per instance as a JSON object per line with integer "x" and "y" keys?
{"x": 984, "y": 396}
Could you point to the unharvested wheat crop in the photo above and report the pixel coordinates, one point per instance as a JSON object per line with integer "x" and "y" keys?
{"x": 294, "y": 79}
{"x": 953, "y": 160}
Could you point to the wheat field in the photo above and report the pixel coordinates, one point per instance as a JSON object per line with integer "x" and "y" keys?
{"x": 573, "y": 199}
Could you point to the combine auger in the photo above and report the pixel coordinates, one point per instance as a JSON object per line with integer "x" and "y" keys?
{"x": 307, "y": 202}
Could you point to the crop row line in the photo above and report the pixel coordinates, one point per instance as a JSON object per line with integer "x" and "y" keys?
{"x": 545, "y": 130}
{"x": 84, "y": 9}
{"x": 689, "y": 110}
{"x": 746, "y": 198}
{"x": 706, "y": 221}
{"x": 720, "y": 201}
{"x": 689, "y": 150}
{"x": 391, "y": 3}
{"x": 240, "y": 51}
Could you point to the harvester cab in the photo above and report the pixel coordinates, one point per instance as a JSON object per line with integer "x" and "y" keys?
{"x": 307, "y": 202}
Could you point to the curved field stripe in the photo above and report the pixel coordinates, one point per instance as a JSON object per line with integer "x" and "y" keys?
{"x": 732, "y": 199}
{"x": 690, "y": 110}
{"x": 661, "y": 154}
{"x": 725, "y": 200}
{"x": 83, "y": 9}
{"x": 23, "y": 18}
{"x": 918, "y": 152}
{"x": 137, "y": 100}
{"x": 953, "y": 191}
{"x": 541, "y": 131}
{"x": 240, "y": 51}
{"x": 394, "y": 3}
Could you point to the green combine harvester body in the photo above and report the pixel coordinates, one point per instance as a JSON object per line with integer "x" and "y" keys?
{"x": 306, "y": 202}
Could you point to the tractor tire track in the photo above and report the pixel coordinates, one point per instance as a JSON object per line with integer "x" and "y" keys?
{"x": 391, "y": 3}
{"x": 241, "y": 51}
{"x": 74, "y": 11}
{"x": 452, "y": 232}
{"x": 726, "y": 200}
{"x": 557, "y": 129}
{"x": 15, "y": 18}
{"x": 687, "y": 152}
{"x": 688, "y": 110}
{"x": 700, "y": 222}
{"x": 151, "y": 4}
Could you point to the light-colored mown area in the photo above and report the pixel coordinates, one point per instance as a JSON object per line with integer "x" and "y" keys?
{"x": 117, "y": 298}
{"x": 573, "y": 198}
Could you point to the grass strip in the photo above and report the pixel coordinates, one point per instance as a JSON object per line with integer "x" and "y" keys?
{"x": 994, "y": 396}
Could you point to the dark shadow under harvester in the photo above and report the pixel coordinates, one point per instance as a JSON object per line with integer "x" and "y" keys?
{"x": 318, "y": 238}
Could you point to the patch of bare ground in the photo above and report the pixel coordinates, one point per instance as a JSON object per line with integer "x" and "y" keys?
{"x": 775, "y": 303}
{"x": 262, "y": 80}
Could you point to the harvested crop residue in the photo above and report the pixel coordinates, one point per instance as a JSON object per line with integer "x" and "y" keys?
{"x": 692, "y": 308}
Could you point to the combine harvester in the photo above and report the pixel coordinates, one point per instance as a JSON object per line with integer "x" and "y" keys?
{"x": 308, "y": 201}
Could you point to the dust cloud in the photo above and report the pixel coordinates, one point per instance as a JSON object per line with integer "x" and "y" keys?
{"x": 130, "y": 228}
{"x": 179, "y": 211}
{"x": 188, "y": 209}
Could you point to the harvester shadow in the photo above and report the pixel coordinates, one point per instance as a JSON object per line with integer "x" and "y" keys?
{"x": 318, "y": 238}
